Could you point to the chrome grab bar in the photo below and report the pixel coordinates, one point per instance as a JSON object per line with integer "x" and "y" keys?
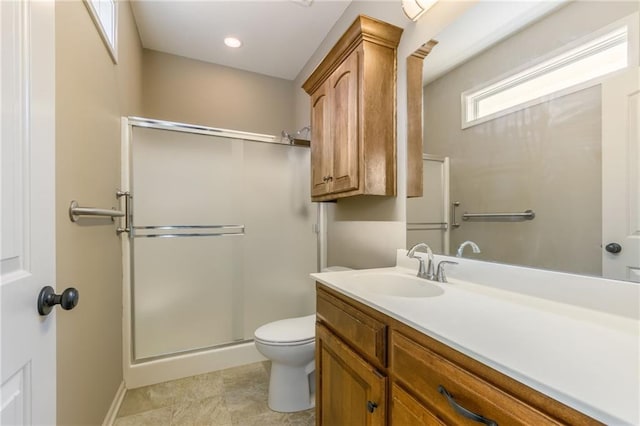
{"x": 526, "y": 215}
{"x": 127, "y": 198}
{"x": 454, "y": 224}
{"x": 75, "y": 211}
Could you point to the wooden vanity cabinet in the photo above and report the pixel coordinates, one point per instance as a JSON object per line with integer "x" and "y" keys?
{"x": 353, "y": 114}
{"x": 364, "y": 356}
{"x": 352, "y": 391}
{"x": 351, "y": 388}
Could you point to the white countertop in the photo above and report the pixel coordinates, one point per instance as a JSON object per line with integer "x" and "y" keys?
{"x": 585, "y": 355}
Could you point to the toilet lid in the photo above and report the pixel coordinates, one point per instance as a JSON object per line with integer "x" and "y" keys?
{"x": 288, "y": 330}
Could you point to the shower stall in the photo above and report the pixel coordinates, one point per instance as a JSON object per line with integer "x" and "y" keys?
{"x": 221, "y": 239}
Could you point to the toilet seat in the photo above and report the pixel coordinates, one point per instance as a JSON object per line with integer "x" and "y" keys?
{"x": 297, "y": 343}
{"x": 287, "y": 332}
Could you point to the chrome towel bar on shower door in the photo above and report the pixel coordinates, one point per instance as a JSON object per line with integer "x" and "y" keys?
{"x": 220, "y": 231}
{"x": 526, "y": 215}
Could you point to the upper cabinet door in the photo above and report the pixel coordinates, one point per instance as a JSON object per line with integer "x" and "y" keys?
{"x": 321, "y": 147}
{"x": 344, "y": 119}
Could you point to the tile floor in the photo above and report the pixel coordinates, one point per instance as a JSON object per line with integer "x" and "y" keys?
{"x": 232, "y": 397}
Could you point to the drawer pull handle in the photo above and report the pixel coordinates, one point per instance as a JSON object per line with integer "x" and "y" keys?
{"x": 463, "y": 411}
{"x": 371, "y": 406}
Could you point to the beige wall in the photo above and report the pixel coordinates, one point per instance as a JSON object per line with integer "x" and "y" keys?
{"x": 546, "y": 158}
{"x": 189, "y": 91}
{"x": 364, "y": 232}
{"x": 91, "y": 95}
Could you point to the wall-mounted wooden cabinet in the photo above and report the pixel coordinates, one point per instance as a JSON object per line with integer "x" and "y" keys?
{"x": 374, "y": 370}
{"x": 414, "y": 119}
{"x": 353, "y": 114}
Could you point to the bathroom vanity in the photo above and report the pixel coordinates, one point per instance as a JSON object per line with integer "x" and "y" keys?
{"x": 396, "y": 349}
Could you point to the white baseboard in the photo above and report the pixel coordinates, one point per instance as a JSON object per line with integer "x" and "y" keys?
{"x": 185, "y": 365}
{"x": 115, "y": 406}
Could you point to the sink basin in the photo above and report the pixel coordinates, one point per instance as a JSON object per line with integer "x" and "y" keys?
{"x": 394, "y": 284}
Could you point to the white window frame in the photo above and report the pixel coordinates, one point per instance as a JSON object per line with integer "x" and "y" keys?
{"x": 470, "y": 97}
{"x": 105, "y": 26}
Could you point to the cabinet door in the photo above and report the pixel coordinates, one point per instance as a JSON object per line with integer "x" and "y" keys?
{"x": 406, "y": 411}
{"x": 344, "y": 124}
{"x": 321, "y": 145}
{"x": 349, "y": 390}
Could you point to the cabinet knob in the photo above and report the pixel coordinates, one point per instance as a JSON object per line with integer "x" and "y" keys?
{"x": 371, "y": 406}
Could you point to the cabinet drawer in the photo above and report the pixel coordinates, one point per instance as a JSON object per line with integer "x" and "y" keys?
{"x": 361, "y": 331}
{"x": 425, "y": 373}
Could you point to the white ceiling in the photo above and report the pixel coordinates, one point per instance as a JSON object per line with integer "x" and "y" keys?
{"x": 278, "y": 36}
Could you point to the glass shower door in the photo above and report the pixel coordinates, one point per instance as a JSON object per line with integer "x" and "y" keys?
{"x": 185, "y": 286}
{"x": 222, "y": 239}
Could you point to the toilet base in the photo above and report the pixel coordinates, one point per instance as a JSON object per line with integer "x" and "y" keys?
{"x": 291, "y": 388}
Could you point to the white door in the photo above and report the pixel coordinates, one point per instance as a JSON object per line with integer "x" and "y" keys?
{"x": 621, "y": 177}
{"x": 27, "y": 132}
{"x": 427, "y": 216}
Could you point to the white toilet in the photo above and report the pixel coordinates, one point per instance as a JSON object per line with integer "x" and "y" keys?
{"x": 290, "y": 345}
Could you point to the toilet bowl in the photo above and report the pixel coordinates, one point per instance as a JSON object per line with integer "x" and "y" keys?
{"x": 290, "y": 345}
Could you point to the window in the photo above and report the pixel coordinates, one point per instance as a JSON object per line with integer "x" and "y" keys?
{"x": 104, "y": 14}
{"x": 582, "y": 65}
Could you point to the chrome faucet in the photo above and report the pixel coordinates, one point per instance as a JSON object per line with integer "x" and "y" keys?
{"x": 440, "y": 276}
{"x": 473, "y": 245}
{"x": 423, "y": 272}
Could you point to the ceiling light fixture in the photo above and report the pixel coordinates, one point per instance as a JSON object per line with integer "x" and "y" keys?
{"x": 232, "y": 42}
{"x": 414, "y": 9}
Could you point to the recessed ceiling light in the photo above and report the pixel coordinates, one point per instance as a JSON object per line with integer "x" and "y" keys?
{"x": 232, "y": 42}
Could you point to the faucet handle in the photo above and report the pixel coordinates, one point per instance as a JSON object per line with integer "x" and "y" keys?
{"x": 440, "y": 276}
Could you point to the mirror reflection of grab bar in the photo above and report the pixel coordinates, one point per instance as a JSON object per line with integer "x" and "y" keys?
{"x": 427, "y": 226}
{"x": 500, "y": 217}
{"x": 180, "y": 231}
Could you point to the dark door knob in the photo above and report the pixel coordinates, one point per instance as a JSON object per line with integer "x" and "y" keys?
{"x": 47, "y": 299}
{"x": 371, "y": 406}
{"x": 614, "y": 248}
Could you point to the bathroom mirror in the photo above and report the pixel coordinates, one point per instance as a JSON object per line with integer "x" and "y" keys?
{"x": 525, "y": 113}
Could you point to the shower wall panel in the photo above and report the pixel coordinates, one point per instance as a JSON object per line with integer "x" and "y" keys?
{"x": 195, "y": 292}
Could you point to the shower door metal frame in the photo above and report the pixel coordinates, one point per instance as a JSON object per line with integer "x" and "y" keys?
{"x": 128, "y": 123}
